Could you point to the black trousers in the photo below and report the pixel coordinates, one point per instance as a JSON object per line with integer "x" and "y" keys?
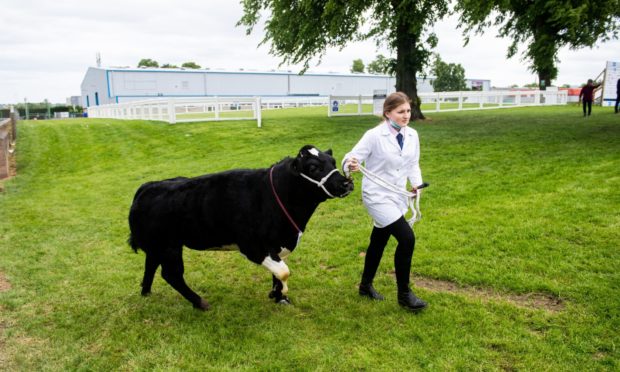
{"x": 402, "y": 257}
{"x": 589, "y": 104}
{"x": 617, "y": 102}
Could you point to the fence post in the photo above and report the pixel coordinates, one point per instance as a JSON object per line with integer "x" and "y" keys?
{"x": 258, "y": 113}
{"x": 217, "y": 108}
{"x": 460, "y": 100}
{"x": 172, "y": 117}
{"x": 329, "y": 106}
{"x": 437, "y": 106}
{"x": 4, "y": 149}
{"x": 13, "y": 115}
{"x": 359, "y": 105}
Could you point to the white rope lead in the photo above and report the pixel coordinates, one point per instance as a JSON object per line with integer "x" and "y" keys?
{"x": 413, "y": 199}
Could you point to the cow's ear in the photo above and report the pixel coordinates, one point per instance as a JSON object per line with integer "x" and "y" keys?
{"x": 296, "y": 165}
{"x": 329, "y": 152}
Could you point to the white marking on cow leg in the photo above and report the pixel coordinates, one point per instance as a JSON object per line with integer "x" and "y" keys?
{"x": 284, "y": 253}
{"x": 280, "y": 270}
{"x": 314, "y": 151}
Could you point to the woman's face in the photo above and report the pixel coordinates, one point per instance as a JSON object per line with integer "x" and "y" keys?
{"x": 400, "y": 115}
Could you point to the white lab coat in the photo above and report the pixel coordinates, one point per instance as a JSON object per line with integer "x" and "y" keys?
{"x": 380, "y": 152}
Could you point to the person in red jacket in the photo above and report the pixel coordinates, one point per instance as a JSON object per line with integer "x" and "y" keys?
{"x": 617, "y": 95}
{"x": 587, "y": 96}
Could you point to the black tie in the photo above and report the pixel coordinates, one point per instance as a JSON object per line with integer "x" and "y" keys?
{"x": 399, "y": 138}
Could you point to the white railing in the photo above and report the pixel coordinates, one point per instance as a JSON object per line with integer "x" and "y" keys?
{"x": 269, "y": 103}
{"x": 454, "y": 101}
{"x": 183, "y": 110}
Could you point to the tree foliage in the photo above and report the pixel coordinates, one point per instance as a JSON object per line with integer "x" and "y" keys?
{"x": 382, "y": 65}
{"x": 147, "y": 62}
{"x": 544, "y": 26}
{"x": 192, "y": 65}
{"x": 358, "y": 66}
{"x": 449, "y": 77}
{"x": 301, "y": 30}
{"x": 169, "y": 65}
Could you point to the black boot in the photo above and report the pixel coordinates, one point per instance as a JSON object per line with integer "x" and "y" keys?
{"x": 409, "y": 301}
{"x": 367, "y": 290}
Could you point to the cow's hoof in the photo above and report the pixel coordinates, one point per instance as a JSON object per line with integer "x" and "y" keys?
{"x": 284, "y": 301}
{"x": 145, "y": 293}
{"x": 204, "y": 305}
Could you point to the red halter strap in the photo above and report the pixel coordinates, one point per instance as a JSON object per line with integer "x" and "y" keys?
{"x": 280, "y": 203}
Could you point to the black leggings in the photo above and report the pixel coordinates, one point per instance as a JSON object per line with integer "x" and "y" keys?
{"x": 589, "y": 104}
{"x": 402, "y": 257}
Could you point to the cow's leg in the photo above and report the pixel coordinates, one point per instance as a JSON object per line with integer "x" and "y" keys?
{"x": 151, "y": 264}
{"x": 172, "y": 271}
{"x": 276, "y": 291}
{"x": 280, "y": 272}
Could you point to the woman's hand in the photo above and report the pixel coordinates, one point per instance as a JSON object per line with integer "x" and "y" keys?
{"x": 353, "y": 164}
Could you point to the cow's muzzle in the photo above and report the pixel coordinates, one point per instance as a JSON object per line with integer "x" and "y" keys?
{"x": 347, "y": 188}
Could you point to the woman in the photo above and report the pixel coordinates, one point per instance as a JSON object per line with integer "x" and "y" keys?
{"x": 391, "y": 151}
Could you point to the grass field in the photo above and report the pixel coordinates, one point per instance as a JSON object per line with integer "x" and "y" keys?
{"x": 517, "y": 254}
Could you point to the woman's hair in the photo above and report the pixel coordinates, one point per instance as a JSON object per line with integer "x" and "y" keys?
{"x": 393, "y": 101}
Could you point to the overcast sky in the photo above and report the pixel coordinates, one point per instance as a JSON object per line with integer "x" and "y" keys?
{"x": 47, "y": 46}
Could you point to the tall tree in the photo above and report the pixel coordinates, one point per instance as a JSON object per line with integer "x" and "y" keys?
{"x": 300, "y": 30}
{"x": 382, "y": 65}
{"x": 544, "y": 26}
{"x": 358, "y": 66}
{"x": 147, "y": 62}
{"x": 449, "y": 77}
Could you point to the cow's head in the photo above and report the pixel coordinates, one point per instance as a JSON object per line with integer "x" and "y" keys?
{"x": 319, "y": 167}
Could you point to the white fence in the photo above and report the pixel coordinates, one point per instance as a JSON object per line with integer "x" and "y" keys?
{"x": 454, "y": 101}
{"x": 182, "y": 110}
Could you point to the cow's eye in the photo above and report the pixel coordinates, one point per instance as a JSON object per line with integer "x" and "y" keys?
{"x": 312, "y": 168}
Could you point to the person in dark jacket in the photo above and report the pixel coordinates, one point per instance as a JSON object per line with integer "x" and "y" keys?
{"x": 617, "y": 96}
{"x": 587, "y": 96}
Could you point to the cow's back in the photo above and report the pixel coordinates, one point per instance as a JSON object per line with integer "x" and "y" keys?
{"x": 200, "y": 212}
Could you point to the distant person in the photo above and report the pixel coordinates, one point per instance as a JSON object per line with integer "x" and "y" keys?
{"x": 617, "y": 96}
{"x": 587, "y": 96}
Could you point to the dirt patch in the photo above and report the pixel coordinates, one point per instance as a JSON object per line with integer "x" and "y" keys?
{"x": 539, "y": 301}
{"x": 4, "y": 283}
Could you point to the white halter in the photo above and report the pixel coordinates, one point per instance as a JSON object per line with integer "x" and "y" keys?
{"x": 322, "y": 182}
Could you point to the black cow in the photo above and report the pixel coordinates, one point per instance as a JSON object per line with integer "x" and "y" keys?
{"x": 261, "y": 212}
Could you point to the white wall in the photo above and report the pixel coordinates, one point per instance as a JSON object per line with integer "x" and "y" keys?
{"x": 95, "y": 85}
{"x": 150, "y": 83}
{"x": 123, "y": 85}
{"x": 246, "y": 84}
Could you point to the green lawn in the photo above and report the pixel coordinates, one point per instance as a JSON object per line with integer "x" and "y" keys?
{"x": 522, "y": 201}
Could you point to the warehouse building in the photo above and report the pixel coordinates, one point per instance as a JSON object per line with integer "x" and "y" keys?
{"x": 115, "y": 85}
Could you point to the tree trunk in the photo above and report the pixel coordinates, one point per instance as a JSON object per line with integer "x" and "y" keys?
{"x": 544, "y": 80}
{"x": 406, "y": 66}
{"x": 543, "y": 52}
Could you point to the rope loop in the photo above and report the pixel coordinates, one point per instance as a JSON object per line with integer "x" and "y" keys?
{"x": 413, "y": 199}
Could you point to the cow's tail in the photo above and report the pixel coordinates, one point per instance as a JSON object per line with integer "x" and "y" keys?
{"x": 132, "y": 243}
